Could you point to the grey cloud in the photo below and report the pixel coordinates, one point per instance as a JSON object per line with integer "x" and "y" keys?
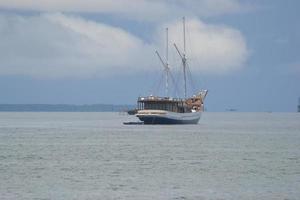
{"x": 58, "y": 46}
{"x": 152, "y": 10}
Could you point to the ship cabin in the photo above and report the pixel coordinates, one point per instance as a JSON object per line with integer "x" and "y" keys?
{"x": 177, "y": 105}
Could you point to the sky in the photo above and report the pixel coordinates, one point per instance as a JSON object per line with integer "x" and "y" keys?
{"x": 245, "y": 53}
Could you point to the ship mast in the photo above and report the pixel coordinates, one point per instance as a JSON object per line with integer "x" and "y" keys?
{"x": 166, "y": 64}
{"x": 183, "y": 56}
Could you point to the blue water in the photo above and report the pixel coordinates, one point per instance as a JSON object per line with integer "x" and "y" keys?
{"x": 92, "y": 156}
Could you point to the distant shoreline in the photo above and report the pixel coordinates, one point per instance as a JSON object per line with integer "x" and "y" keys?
{"x": 64, "y": 108}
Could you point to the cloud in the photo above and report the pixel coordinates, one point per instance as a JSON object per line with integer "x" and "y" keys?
{"x": 56, "y": 45}
{"x": 210, "y": 48}
{"x": 59, "y": 45}
{"x": 134, "y": 9}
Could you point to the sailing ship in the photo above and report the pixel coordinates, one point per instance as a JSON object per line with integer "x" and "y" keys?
{"x": 167, "y": 110}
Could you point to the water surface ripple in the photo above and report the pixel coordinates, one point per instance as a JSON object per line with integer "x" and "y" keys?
{"x": 67, "y": 156}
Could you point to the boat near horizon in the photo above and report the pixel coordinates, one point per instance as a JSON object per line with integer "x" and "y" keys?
{"x": 167, "y": 110}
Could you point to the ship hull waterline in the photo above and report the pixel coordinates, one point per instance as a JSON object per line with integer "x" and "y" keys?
{"x": 170, "y": 118}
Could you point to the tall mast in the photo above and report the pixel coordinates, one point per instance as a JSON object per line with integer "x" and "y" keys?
{"x": 167, "y": 62}
{"x": 184, "y": 46}
{"x": 184, "y": 57}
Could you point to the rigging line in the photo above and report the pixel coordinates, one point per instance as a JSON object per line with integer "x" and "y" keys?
{"x": 175, "y": 85}
{"x": 156, "y": 85}
{"x": 195, "y": 59}
{"x": 198, "y": 64}
{"x": 191, "y": 80}
{"x": 176, "y": 69}
{"x": 175, "y": 90}
{"x": 159, "y": 86}
{"x": 178, "y": 78}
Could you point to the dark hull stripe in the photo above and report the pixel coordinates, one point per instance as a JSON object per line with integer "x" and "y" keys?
{"x": 164, "y": 120}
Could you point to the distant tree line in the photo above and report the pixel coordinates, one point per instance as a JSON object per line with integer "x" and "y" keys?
{"x": 64, "y": 108}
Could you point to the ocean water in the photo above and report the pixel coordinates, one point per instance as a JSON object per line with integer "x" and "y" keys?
{"x": 70, "y": 156}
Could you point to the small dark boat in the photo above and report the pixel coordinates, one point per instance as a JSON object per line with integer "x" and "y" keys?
{"x": 132, "y": 112}
{"x": 133, "y": 123}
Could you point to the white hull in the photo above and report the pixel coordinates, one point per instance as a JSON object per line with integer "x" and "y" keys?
{"x": 167, "y": 117}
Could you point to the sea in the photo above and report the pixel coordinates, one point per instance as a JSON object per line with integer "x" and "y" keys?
{"x": 92, "y": 155}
